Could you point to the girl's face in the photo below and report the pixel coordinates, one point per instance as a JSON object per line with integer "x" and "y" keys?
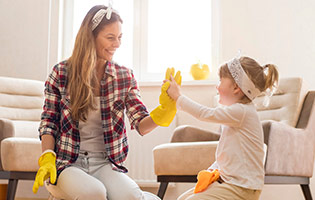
{"x": 228, "y": 91}
{"x": 108, "y": 40}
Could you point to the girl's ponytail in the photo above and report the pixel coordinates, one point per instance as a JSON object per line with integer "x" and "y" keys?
{"x": 265, "y": 78}
{"x": 271, "y": 78}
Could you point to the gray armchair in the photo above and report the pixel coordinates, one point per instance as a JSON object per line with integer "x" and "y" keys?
{"x": 290, "y": 155}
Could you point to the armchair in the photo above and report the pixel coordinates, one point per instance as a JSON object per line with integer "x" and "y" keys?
{"x": 287, "y": 120}
{"x": 21, "y": 102}
{"x": 290, "y": 156}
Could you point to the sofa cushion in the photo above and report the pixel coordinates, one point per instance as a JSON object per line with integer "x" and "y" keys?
{"x": 18, "y": 86}
{"x": 20, "y": 154}
{"x": 21, "y": 99}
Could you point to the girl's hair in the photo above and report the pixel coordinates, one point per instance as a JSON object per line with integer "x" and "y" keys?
{"x": 256, "y": 73}
{"x": 81, "y": 71}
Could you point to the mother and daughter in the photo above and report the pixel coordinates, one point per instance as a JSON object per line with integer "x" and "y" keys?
{"x": 83, "y": 133}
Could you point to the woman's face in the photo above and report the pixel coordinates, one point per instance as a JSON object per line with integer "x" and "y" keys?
{"x": 108, "y": 40}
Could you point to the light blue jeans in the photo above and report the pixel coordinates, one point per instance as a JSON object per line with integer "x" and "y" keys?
{"x": 92, "y": 177}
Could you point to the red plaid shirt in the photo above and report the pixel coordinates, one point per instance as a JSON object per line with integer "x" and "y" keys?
{"x": 119, "y": 93}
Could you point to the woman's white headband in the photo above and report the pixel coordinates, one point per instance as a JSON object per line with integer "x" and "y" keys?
{"x": 242, "y": 80}
{"x": 99, "y": 15}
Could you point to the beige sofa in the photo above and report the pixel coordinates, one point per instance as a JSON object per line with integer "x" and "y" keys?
{"x": 188, "y": 152}
{"x": 21, "y": 104}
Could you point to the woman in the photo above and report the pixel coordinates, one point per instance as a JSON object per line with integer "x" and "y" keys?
{"x": 82, "y": 126}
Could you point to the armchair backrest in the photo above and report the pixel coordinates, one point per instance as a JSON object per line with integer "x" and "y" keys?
{"x": 285, "y": 105}
{"x": 21, "y": 103}
{"x": 306, "y": 111}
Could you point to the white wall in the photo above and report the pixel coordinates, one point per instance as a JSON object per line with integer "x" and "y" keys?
{"x": 28, "y": 38}
{"x": 280, "y": 32}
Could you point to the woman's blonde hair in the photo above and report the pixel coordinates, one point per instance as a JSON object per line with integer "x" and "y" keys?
{"x": 256, "y": 73}
{"x": 81, "y": 71}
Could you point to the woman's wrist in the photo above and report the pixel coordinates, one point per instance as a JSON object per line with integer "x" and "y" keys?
{"x": 48, "y": 151}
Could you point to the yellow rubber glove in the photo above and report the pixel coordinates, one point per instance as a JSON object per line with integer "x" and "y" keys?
{"x": 47, "y": 168}
{"x": 206, "y": 178}
{"x": 164, "y": 114}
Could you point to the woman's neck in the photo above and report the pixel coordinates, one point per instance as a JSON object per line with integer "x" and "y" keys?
{"x": 100, "y": 63}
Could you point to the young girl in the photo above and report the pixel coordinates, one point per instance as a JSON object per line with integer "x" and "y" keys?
{"x": 238, "y": 172}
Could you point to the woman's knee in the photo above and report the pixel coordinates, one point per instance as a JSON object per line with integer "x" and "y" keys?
{"x": 75, "y": 184}
{"x": 92, "y": 194}
{"x": 130, "y": 194}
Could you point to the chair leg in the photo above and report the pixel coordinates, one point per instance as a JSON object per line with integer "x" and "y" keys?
{"x": 307, "y": 192}
{"x": 162, "y": 189}
{"x": 12, "y": 189}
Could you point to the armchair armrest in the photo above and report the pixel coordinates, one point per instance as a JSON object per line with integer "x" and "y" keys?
{"x": 183, "y": 158}
{"x": 290, "y": 150}
{"x": 20, "y": 154}
{"x": 187, "y": 133}
{"x": 6, "y": 128}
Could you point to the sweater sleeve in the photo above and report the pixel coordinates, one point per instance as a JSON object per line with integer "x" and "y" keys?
{"x": 229, "y": 115}
{"x": 214, "y": 166}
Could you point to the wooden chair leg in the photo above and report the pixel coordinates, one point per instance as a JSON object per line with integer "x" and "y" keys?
{"x": 162, "y": 189}
{"x": 307, "y": 192}
{"x": 12, "y": 189}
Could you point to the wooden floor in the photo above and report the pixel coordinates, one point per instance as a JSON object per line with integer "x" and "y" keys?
{"x": 28, "y": 199}
{"x": 3, "y": 191}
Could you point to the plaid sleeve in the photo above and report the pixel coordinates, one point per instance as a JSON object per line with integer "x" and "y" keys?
{"x": 135, "y": 109}
{"x": 50, "y": 116}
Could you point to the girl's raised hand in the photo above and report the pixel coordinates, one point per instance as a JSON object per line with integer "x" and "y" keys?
{"x": 174, "y": 87}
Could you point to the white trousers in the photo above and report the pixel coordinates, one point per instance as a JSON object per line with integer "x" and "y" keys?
{"x": 92, "y": 177}
{"x": 221, "y": 191}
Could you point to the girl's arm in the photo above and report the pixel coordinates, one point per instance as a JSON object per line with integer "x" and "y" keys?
{"x": 230, "y": 115}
